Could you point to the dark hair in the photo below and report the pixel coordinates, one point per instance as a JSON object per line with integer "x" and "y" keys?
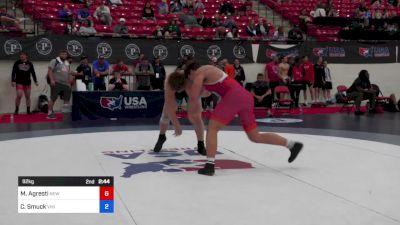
{"x": 177, "y": 81}
{"x": 23, "y": 53}
{"x": 63, "y": 51}
{"x": 363, "y": 75}
{"x": 296, "y": 60}
{"x": 260, "y": 75}
{"x": 190, "y": 65}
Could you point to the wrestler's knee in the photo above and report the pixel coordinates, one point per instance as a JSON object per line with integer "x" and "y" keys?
{"x": 254, "y": 136}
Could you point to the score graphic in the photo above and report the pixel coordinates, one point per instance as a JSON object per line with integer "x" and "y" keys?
{"x": 65, "y": 194}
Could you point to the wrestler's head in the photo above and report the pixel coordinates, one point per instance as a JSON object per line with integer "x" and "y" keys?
{"x": 190, "y": 69}
{"x": 177, "y": 81}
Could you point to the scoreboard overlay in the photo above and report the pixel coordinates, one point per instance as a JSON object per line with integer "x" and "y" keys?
{"x": 65, "y": 194}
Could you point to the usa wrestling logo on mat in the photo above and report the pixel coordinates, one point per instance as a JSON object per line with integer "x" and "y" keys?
{"x": 170, "y": 160}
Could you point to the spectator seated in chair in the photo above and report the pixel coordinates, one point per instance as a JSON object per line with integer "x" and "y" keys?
{"x": 361, "y": 89}
{"x": 117, "y": 83}
{"x": 121, "y": 28}
{"x": 103, "y": 14}
{"x": 262, "y": 93}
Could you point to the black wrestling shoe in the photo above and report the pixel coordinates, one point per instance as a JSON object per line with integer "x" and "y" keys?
{"x": 160, "y": 142}
{"x": 208, "y": 170}
{"x": 201, "y": 149}
{"x": 294, "y": 151}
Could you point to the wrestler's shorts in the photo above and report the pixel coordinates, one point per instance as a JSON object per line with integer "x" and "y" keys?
{"x": 236, "y": 102}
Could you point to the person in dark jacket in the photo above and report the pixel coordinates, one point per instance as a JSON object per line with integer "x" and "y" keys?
{"x": 361, "y": 89}
{"x": 21, "y": 79}
{"x": 240, "y": 76}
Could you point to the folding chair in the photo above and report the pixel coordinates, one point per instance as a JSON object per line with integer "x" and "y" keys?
{"x": 346, "y": 101}
{"x": 280, "y": 103}
{"x": 380, "y": 98}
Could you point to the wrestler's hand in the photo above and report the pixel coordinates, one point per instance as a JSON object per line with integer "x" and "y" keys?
{"x": 178, "y": 130}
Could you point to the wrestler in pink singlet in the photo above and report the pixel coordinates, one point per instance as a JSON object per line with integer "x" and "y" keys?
{"x": 234, "y": 100}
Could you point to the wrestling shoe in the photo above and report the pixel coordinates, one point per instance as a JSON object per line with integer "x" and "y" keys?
{"x": 208, "y": 170}
{"x": 201, "y": 149}
{"x": 294, "y": 151}
{"x": 160, "y": 142}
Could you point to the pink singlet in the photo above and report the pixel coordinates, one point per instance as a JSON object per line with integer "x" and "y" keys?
{"x": 234, "y": 100}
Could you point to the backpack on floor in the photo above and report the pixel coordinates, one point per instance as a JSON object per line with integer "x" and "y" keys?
{"x": 43, "y": 105}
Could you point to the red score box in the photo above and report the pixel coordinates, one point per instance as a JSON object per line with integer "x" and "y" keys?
{"x": 106, "y": 193}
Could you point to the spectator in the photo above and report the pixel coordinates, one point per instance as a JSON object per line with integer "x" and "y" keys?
{"x": 157, "y": 82}
{"x": 189, "y": 20}
{"x": 148, "y": 12}
{"x": 65, "y": 14}
{"x": 101, "y": 69}
{"x": 279, "y": 34}
{"x": 283, "y": 70}
{"x": 375, "y": 4}
{"x": 185, "y": 61}
{"x": 327, "y": 83}
{"x": 60, "y": 81}
{"x": 262, "y": 28}
{"x": 296, "y": 81}
{"x": 87, "y": 28}
{"x": 240, "y": 75}
{"x": 117, "y": 83}
{"x": 226, "y": 8}
{"x": 319, "y": 10}
{"x": 229, "y": 22}
{"x": 158, "y": 32}
{"x": 295, "y": 35}
{"x": 308, "y": 79}
{"x": 121, "y": 28}
{"x": 203, "y": 21}
{"x": 83, "y": 13}
{"x": 377, "y": 14}
{"x": 8, "y": 20}
{"x": 262, "y": 94}
{"x": 233, "y": 33}
{"x": 330, "y": 9}
{"x": 213, "y": 61}
{"x": 361, "y": 89}
{"x": 143, "y": 72}
{"x": 251, "y": 29}
{"x": 84, "y": 71}
{"x": 319, "y": 75}
{"x": 175, "y": 7}
{"x": 361, "y": 10}
{"x": 216, "y": 21}
{"x": 103, "y": 14}
{"x": 162, "y": 7}
{"x": 138, "y": 61}
{"x": 121, "y": 67}
{"x": 199, "y": 6}
{"x": 272, "y": 74}
{"x": 394, "y": 3}
{"x": 242, "y": 10}
{"x": 172, "y": 30}
{"x": 188, "y": 4}
{"x": 304, "y": 19}
{"x": 21, "y": 79}
{"x": 115, "y": 3}
{"x": 386, "y": 14}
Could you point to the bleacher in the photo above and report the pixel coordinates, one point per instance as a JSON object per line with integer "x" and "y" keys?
{"x": 46, "y": 12}
{"x": 345, "y": 9}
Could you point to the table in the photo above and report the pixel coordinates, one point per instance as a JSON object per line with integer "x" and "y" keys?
{"x": 116, "y": 104}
